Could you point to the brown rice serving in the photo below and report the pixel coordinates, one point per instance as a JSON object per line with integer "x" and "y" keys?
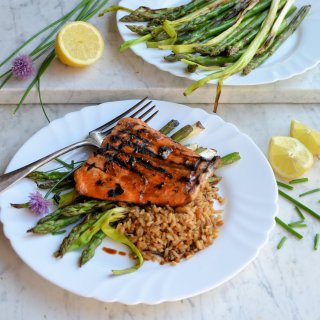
{"x": 167, "y": 234}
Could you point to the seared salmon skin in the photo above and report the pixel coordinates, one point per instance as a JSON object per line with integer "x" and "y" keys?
{"x": 139, "y": 165}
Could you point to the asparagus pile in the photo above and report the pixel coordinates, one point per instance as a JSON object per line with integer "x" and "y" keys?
{"x": 223, "y": 36}
{"x": 93, "y": 220}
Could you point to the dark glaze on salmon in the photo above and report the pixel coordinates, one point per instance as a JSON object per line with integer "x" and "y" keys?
{"x": 138, "y": 164}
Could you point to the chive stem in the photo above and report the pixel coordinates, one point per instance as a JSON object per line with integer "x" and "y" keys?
{"x": 41, "y": 70}
{"x": 92, "y": 12}
{"x": 281, "y": 243}
{"x": 299, "y": 204}
{"x": 42, "y": 50}
{"x": 41, "y": 102}
{"x": 65, "y": 164}
{"x": 5, "y": 73}
{"x": 53, "y": 32}
{"x": 309, "y": 192}
{"x": 300, "y": 213}
{"x": 90, "y": 9}
{"x": 63, "y": 167}
{"x": 5, "y": 80}
{"x": 284, "y": 185}
{"x": 60, "y": 180}
{"x": 84, "y": 10}
{"x": 297, "y": 224}
{"x": 316, "y": 241}
{"x": 299, "y": 180}
{"x": 287, "y": 228}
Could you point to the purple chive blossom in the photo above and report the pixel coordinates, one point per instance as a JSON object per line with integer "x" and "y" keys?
{"x": 22, "y": 67}
{"x": 38, "y": 204}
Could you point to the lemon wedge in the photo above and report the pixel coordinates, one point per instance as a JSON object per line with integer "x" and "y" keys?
{"x": 289, "y": 158}
{"x": 79, "y": 44}
{"x": 309, "y": 137}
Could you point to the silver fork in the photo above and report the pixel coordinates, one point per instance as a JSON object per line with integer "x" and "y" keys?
{"x": 94, "y": 138}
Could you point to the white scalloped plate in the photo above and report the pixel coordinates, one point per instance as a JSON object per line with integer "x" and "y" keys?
{"x": 301, "y": 52}
{"x": 248, "y": 185}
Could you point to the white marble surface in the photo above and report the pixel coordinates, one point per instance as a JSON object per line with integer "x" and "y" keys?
{"x": 279, "y": 284}
{"x": 121, "y": 76}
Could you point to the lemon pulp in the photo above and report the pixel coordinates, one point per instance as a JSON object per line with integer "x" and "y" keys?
{"x": 309, "y": 137}
{"x": 289, "y": 158}
{"x": 79, "y": 44}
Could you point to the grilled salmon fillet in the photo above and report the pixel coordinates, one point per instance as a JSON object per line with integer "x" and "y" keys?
{"x": 138, "y": 164}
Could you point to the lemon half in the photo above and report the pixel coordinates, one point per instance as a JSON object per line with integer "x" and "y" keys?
{"x": 309, "y": 137}
{"x": 79, "y": 44}
{"x": 289, "y": 158}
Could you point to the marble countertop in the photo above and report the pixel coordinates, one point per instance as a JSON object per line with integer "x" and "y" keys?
{"x": 121, "y": 76}
{"x": 279, "y": 284}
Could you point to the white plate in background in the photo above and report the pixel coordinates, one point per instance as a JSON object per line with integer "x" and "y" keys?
{"x": 301, "y": 52}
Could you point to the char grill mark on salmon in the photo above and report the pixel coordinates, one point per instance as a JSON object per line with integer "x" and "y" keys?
{"x": 138, "y": 164}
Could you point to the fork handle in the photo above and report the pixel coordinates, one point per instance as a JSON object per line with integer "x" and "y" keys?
{"x": 8, "y": 179}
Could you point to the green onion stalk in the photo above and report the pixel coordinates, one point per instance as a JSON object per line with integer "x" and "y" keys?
{"x": 279, "y": 40}
{"x": 246, "y": 57}
{"x": 276, "y": 26}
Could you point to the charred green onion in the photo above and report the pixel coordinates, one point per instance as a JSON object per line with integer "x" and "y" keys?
{"x": 170, "y": 126}
{"x": 276, "y": 26}
{"x": 226, "y": 37}
{"x": 280, "y": 39}
{"x": 187, "y": 132}
{"x": 246, "y": 57}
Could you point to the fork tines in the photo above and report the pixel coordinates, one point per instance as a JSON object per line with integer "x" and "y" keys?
{"x": 105, "y": 129}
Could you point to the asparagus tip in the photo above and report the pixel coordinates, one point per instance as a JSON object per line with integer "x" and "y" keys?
{"x": 199, "y": 125}
{"x": 58, "y": 254}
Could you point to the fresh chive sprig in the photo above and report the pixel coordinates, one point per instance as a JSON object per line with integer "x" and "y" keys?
{"x": 281, "y": 242}
{"x": 61, "y": 180}
{"x": 298, "y": 224}
{"x": 298, "y": 180}
{"x": 300, "y": 213}
{"x": 299, "y": 204}
{"x": 284, "y": 185}
{"x": 288, "y": 228}
{"x": 309, "y": 192}
{"x": 316, "y": 241}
